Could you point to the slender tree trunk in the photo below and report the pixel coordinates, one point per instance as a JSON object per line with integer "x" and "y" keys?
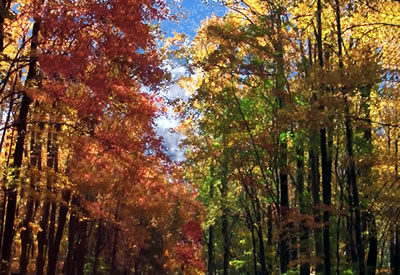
{"x": 261, "y": 249}
{"x": 280, "y": 81}
{"x": 25, "y": 236}
{"x": 62, "y": 218}
{"x": 4, "y": 5}
{"x": 8, "y": 117}
{"x": 2, "y": 214}
{"x": 224, "y": 217}
{"x": 82, "y": 247}
{"x": 259, "y": 228}
{"x": 373, "y": 246}
{"x": 326, "y": 162}
{"x": 52, "y": 163}
{"x": 52, "y": 227}
{"x": 354, "y": 189}
{"x": 326, "y": 195}
{"x": 40, "y": 260}
{"x": 225, "y": 234}
{"x": 304, "y": 235}
{"x": 36, "y": 160}
{"x": 315, "y": 192}
{"x": 115, "y": 241}
{"x": 313, "y": 174}
{"x": 69, "y": 263}
{"x": 372, "y": 231}
{"x": 253, "y": 239}
{"x": 395, "y": 252}
{"x": 114, "y": 268}
{"x": 210, "y": 245}
{"x": 98, "y": 246}
{"x": 5, "y": 193}
{"x": 269, "y": 235}
{"x": 269, "y": 225}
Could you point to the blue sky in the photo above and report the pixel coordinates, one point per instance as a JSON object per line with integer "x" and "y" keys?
{"x": 195, "y": 11}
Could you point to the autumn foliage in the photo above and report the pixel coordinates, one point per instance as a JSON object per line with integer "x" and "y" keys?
{"x": 93, "y": 191}
{"x": 292, "y": 136}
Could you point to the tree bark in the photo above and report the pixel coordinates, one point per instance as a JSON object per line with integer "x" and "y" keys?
{"x": 69, "y": 263}
{"x": 82, "y": 247}
{"x": 304, "y": 235}
{"x": 224, "y": 217}
{"x": 225, "y": 234}
{"x": 114, "y": 269}
{"x": 210, "y": 244}
{"x": 36, "y": 160}
{"x": 373, "y": 245}
{"x": 254, "y": 250}
{"x": 115, "y": 240}
{"x": 326, "y": 162}
{"x": 98, "y": 246}
{"x": 280, "y": 81}
{"x": 55, "y": 247}
{"x": 5, "y": 6}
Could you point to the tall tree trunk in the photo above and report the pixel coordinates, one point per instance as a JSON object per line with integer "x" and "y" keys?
{"x": 5, "y": 193}
{"x": 314, "y": 176}
{"x": 41, "y": 236}
{"x": 257, "y": 210}
{"x": 304, "y": 235}
{"x": 55, "y": 247}
{"x": 82, "y": 247}
{"x": 36, "y": 160}
{"x": 114, "y": 268}
{"x": 224, "y": 217}
{"x": 395, "y": 252}
{"x": 98, "y": 246}
{"x": 73, "y": 221}
{"x": 254, "y": 250}
{"x": 373, "y": 245}
{"x": 52, "y": 163}
{"x": 280, "y": 81}
{"x": 210, "y": 245}
{"x": 225, "y": 234}
{"x": 52, "y": 227}
{"x": 18, "y": 155}
{"x": 115, "y": 241}
{"x": 261, "y": 249}
{"x": 25, "y": 235}
{"x": 269, "y": 234}
{"x": 354, "y": 189}
{"x": 326, "y": 162}
{"x": 326, "y": 195}
{"x": 5, "y": 6}
{"x": 372, "y": 231}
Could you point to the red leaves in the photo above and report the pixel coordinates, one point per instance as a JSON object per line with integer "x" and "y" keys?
{"x": 189, "y": 249}
{"x": 192, "y": 231}
{"x": 190, "y": 255}
{"x": 95, "y": 58}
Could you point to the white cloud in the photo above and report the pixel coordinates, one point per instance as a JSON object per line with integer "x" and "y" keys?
{"x": 166, "y": 125}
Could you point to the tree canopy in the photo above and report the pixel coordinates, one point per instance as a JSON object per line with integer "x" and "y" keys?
{"x": 290, "y": 134}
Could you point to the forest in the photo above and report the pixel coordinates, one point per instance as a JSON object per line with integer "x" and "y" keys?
{"x": 289, "y": 127}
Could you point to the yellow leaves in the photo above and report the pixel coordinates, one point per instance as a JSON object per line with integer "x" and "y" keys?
{"x": 174, "y": 46}
{"x": 189, "y": 84}
{"x": 35, "y": 228}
